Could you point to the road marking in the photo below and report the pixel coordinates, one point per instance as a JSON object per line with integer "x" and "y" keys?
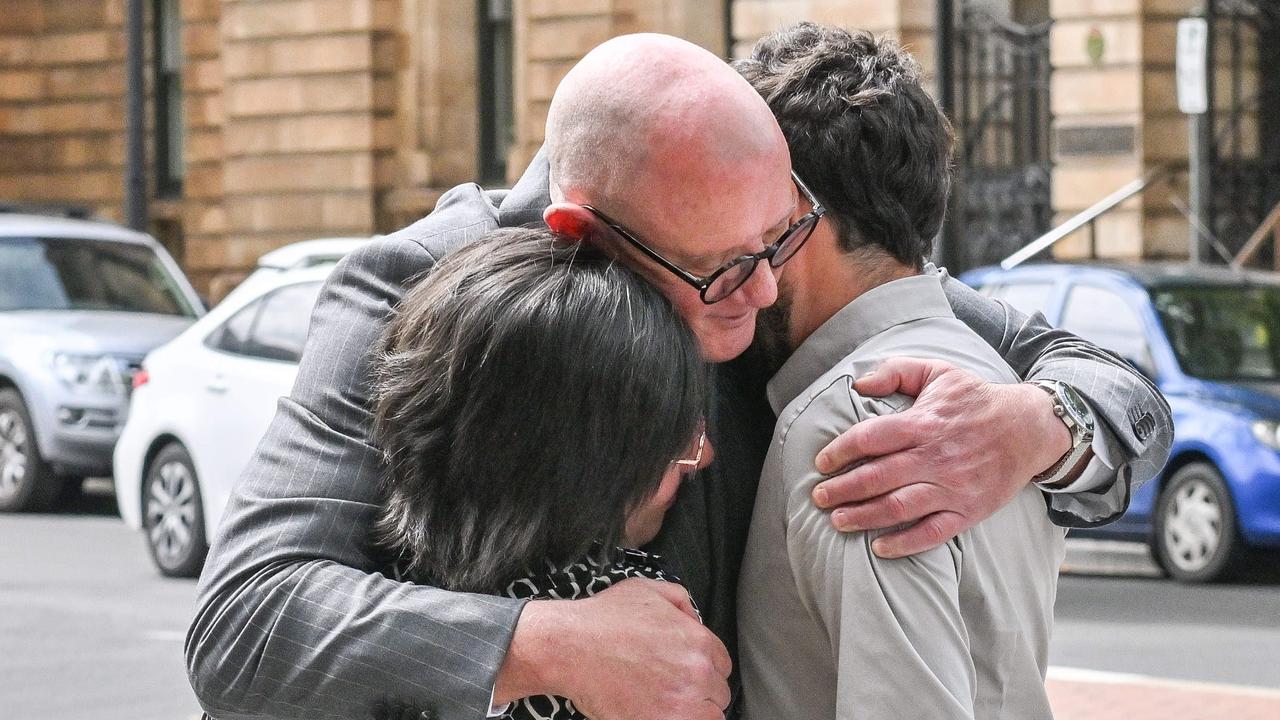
{"x": 165, "y": 635}
{"x": 1103, "y": 677}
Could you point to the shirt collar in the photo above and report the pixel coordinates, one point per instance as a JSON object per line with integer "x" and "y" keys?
{"x": 871, "y": 313}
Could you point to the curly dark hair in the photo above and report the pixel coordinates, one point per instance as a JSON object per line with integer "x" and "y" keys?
{"x": 530, "y": 392}
{"x": 865, "y": 136}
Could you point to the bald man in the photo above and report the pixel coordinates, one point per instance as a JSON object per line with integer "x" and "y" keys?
{"x": 660, "y": 150}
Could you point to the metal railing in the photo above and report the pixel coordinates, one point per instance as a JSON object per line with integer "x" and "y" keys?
{"x": 1087, "y": 217}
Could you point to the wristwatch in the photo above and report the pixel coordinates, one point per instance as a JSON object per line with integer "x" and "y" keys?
{"x": 1074, "y": 412}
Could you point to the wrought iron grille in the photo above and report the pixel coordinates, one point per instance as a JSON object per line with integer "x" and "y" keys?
{"x": 1001, "y": 199}
{"x": 1244, "y": 162}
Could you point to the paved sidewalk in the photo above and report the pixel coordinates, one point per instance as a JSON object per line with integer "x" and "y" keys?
{"x": 1093, "y": 695}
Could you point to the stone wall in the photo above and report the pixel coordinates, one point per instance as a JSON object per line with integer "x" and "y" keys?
{"x": 62, "y": 88}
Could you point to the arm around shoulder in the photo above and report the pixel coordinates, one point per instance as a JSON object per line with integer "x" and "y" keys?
{"x": 1126, "y": 404}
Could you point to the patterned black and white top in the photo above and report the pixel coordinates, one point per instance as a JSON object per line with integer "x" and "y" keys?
{"x": 574, "y": 582}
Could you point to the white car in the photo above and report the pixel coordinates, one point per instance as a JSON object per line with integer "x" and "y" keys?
{"x": 203, "y": 401}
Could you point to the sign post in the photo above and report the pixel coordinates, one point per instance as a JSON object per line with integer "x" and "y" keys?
{"x": 1193, "y": 99}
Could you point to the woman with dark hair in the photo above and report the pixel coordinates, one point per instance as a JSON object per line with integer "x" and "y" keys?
{"x": 538, "y": 405}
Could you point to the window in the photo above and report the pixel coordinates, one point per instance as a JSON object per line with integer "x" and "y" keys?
{"x": 80, "y": 274}
{"x": 273, "y": 327}
{"x": 1108, "y": 320}
{"x": 170, "y": 166}
{"x": 1223, "y": 333}
{"x": 497, "y": 108}
{"x": 281, "y": 328}
{"x": 1025, "y": 297}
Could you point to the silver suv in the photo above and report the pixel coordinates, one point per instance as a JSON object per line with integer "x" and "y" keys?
{"x": 80, "y": 303}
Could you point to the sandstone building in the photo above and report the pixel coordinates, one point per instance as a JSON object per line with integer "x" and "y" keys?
{"x": 277, "y": 120}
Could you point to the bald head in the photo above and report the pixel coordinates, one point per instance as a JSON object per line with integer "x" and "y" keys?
{"x": 644, "y": 112}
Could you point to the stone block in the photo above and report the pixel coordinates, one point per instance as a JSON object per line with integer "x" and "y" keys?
{"x": 1076, "y": 186}
{"x": 93, "y": 46}
{"x": 298, "y": 17}
{"x": 1096, "y": 91}
{"x": 298, "y": 56}
{"x": 339, "y": 171}
{"x": 203, "y": 182}
{"x": 542, "y": 78}
{"x": 202, "y": 75}
{"x": 1166, "y": 235}
{"x": 22, "y": 85}
{"x": 300, "y": 94}
{"x": 95, "y": 81}
{"x": 1165, "y": 137}
{"x": 17, "y": 52}
{"x": 203, "y": 146}
{"x": 200, "y": 10}
{"x": 540, "y": 9}
{"x": 566, "y": 39}
{"x": 203, "y": 39}
{"x": 53, "y": 118}
{"x": 70, "y": 16}
{"x": 1063, "y": 9}
{"x": 299, "y": 134}
{"x": 22, "y": 17}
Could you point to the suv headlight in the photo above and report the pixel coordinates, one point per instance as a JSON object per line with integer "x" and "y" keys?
{"x": 88, "y": 374}
{"x": 1267, "y": 432}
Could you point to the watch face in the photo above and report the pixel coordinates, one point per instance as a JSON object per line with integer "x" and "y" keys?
{"x": 1075, "y": 405}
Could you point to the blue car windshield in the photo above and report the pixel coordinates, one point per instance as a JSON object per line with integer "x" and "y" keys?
{"x": 77, "y": 274}
{"x": 1223, "y": 333}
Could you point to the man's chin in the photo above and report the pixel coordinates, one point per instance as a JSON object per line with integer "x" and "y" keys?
{"x": 731, "y": 339}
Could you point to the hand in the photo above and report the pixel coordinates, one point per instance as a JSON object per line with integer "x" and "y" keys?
{"x": 960, "y": 453}
{"x": 636, "y": 651}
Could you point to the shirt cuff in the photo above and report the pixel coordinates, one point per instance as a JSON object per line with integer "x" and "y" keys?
{"x": 493, "y": 710}
{"x": 1101, "y": 470}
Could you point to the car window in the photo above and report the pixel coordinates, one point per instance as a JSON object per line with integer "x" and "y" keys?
{"x": 1105, "y": 318}
{"x": 280, "y": 330}
{"x": 82, "y": 274}
{"x": 1031, "y": 297}
{"x": 1223, "y": 333}
{"x": 233, "y": 335}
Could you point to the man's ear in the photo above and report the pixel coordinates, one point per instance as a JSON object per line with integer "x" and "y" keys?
{"x": 570, "y": 220}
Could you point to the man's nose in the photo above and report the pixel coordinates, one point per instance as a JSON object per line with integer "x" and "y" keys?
{"x": 761, "y": 289}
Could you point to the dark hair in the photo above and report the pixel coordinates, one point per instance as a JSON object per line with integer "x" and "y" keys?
{"x": 864, "y": 135}
{"x": 530, "y": 392}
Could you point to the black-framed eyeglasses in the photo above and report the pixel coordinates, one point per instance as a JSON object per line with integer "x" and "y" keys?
{"x": 734, "y": 274}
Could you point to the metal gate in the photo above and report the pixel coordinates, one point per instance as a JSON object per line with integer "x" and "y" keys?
{"x": 1244, "y": 157}
{"x": 1001, "y": 200}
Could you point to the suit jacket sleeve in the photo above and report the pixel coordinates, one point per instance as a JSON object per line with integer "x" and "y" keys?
{"x": 1124, "y": 401}
{"x": 293, "y": 619}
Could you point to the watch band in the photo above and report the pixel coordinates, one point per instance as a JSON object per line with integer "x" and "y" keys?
{"x": 1081, "y": 429}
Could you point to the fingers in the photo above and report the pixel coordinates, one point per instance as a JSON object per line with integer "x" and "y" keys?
{"x": 927, "y": 534}
{"x": 871, "y": 438}
{"x": 905, "y": 505}
{"x": 676, "y": 595}
{"x": 869, "y": 480}
{"x": 909, "y": 376}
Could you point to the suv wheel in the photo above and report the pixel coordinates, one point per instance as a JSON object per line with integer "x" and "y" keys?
{"x": 26, "y": 482}
{"x": 1196, "y": 539}
{"x": 172, "y": 513}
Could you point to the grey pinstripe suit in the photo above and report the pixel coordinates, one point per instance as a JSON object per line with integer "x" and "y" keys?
{"x": 293, "y": 619}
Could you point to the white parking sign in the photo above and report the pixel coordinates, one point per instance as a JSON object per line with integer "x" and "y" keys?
{"x": 1192, "y": 70}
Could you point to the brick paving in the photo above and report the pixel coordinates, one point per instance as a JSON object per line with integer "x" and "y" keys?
{"x": 1091, "y": 695}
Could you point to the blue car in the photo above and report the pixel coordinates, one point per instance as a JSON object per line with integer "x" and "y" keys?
{"x": 1209, "y": 337}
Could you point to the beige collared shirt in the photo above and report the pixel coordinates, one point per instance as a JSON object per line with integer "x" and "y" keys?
{"x": 829, "y": 630}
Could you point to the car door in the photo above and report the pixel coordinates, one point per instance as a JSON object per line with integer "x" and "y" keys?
{"x": 1112, "y": 318}
{"x": 259, "y": 348}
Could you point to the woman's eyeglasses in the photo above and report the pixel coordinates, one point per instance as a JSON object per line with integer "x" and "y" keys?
{"x": 734, "y": 274}
{"x": 696, "y": 460}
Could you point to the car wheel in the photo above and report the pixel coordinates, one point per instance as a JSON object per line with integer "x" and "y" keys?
{"x": 172, "y": 513}
{"x": 27, "y": 483}
{"x": 1196, "y": 539}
